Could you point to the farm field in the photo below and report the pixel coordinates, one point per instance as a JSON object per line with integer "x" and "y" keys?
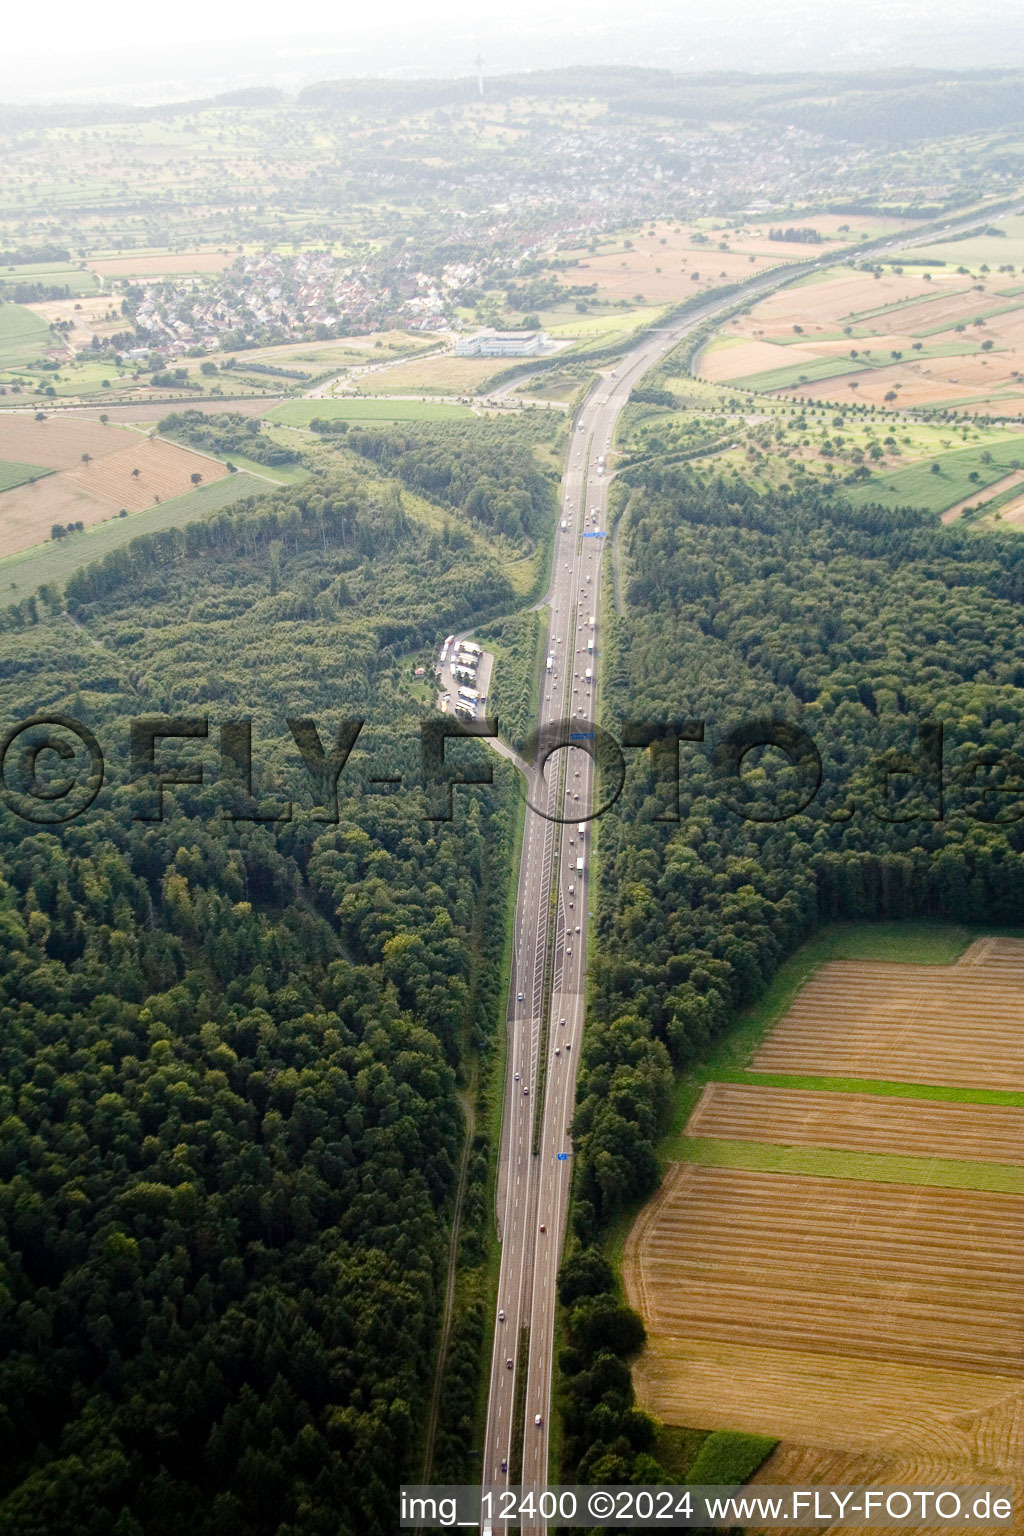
{"x": 1012, "y": 513}
{"x": 12, "y": 474}
{"x": 96, "y": 490}
{"x": 951, "y": 485}
{"x": 822, "y": 1266}
{"x": 860, "y": 1122}
{"x": 299, "y": 413}
{"x": 24, "y": 337}
{"x": 60, "y": 440}
{"x": 932, "y": 338}
{"x": 51, "y": 274}
{"x": 21, "y": 575}
{"x": 667, "y": 262}
{"x": 998, "y": 489}
{"x": 926, "y": 1418}
{"x": 852, "y": 1268}
{"x": 156, "y": 264}
{"x": 907, "y": 1023}
{"x": 446, "y": 375}
{"x": 983, "y": 249}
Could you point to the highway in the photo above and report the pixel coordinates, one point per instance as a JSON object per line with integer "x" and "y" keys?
{"x": 533, "y": 1190}
{"x": 550, "y": 935}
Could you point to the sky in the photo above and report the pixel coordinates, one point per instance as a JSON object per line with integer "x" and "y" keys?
{"x": 121, "y": 50}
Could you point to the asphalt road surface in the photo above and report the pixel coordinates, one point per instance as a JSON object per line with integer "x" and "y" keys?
{"x": 533, "y": 1186}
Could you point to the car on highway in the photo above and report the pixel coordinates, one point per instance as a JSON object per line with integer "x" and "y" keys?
{"x": 501, "y": 1317}
{"x": 508, "y": 1363}
{"x": 519, "y": 997}
{"x": 537, "y": 1420}
{"x": 543, "y": 1227}
{"x": 525, "y": 1089}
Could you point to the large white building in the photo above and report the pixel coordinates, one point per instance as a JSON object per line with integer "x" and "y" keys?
{"x": 502, "y": 344}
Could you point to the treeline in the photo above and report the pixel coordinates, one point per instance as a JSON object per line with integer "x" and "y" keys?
{"x": 854, "y": 626}
{"x": 476, "y": 469}
{"x": 607, "y": 1438}
{"x": 33, "y": 255}
{"x": 33, "y": 293}
{"x": 278, "y": 373}
{"x": 226, "y": 432}
{"x": 801, "y": 234}
{"x": 230, "y": 1050}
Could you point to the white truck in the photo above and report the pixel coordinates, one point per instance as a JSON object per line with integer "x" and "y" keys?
{"x": 551, "y": 662}
{"x": 579, "y": 866}
{"x": 588, "y": 675}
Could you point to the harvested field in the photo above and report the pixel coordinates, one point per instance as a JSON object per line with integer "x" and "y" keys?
{"x": 850, "y": 1406}
{"x": 23, "y": 573}
{"x": 59, "y": 441}
{"x": 742, "y": 358}
{"x": 28, "y": 512}
{"x": 91, "y": 492}
{"x": 860, "y": 1122}
{"x": 447, "y": 375}
{"x": 928, "y": 1277}
{"x": 961, "y": 1024}
{"x": 661, "y": 258}
{"x": 906, "y": 1466}
{"x": 164, "y": 471}
{"x": 178, "y": 263}
{"x": 878, "y": 317}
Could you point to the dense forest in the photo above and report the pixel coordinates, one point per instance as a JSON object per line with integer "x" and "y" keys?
{"x": 477, "y": 469}
{"x": 859, "y": 628}
{"x": 231, "y": 1050}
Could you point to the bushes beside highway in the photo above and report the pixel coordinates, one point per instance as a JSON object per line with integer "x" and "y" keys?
{"x": 607, "y": 1438}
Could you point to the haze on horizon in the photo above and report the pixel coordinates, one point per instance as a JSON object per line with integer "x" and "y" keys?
{"x": 140, "y": 55}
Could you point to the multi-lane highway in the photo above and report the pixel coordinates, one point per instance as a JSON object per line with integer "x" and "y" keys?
{"x": 545, "y": 1020}
{"x": 546, "y": 999}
